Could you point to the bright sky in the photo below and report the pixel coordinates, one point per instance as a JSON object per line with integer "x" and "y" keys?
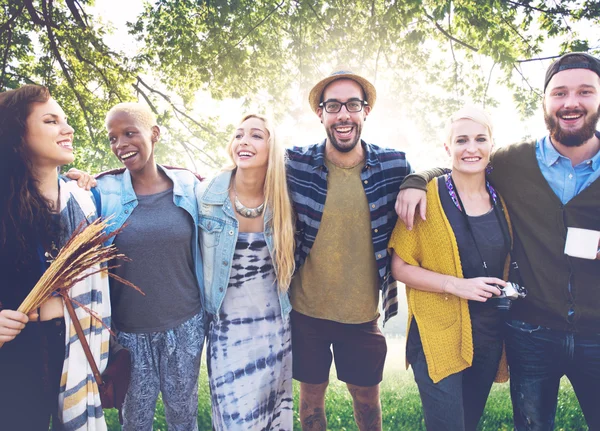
{"x": 380, "y": 129}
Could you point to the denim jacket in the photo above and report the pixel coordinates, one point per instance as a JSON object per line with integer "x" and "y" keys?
{"x": 119, "y": 200}
{"x": 218, "y": 236}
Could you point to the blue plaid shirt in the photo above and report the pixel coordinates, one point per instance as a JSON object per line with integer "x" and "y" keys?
{"x": 381, "y": 176}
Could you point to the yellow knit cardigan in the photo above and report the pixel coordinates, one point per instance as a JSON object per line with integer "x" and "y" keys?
{"x": 443, "y": 319}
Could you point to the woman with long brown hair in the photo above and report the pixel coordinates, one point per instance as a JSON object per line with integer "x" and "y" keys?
{"x": 44, "y": 372}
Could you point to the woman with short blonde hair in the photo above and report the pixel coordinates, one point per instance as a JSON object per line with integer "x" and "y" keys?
{"x": 454, "y": 264}
{"x": 163, "y": 329}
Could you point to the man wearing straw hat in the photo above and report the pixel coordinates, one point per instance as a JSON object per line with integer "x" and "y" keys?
{"x": 343, "y": 191}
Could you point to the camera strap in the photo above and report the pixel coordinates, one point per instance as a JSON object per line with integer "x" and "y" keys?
{"x": 498, "y": 212}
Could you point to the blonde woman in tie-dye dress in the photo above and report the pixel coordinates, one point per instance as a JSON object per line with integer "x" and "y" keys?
{"x": 247, "y": 242}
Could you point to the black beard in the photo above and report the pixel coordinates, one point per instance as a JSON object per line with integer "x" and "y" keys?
{"x": 336, "y": 144}
{"x": 576, "y": 138}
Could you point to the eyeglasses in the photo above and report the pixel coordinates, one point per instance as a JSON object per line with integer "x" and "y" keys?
{"x": 333, "y": 106}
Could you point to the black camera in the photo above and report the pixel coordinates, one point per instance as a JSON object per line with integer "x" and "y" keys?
{"x": 508, "y": 294}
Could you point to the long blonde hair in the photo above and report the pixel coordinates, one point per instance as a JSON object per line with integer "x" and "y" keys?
{"x": 277, "y": 199}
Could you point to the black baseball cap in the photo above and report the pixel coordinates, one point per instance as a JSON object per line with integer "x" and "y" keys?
{"x": 587, "y": 62}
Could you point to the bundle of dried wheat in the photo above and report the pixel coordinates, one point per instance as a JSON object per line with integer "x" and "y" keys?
{"x": 81, "y": 257}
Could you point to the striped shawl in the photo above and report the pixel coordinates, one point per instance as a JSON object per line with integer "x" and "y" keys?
{"x": 79, "y": 400}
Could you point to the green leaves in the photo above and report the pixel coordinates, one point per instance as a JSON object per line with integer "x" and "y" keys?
{"x": 428, "y": 57}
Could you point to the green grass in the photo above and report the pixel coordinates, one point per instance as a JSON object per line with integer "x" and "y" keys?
{"x": 399, "y": 399}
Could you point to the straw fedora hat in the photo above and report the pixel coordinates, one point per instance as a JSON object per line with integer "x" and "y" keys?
{"x": 315, "y": 95}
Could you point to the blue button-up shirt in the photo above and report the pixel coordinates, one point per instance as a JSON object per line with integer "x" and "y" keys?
{"x": 566, "y": 180}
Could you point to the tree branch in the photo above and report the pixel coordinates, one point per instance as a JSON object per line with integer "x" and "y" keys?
{"x": 448, "y": 35}
{"x": 526, "y": 6}
{"x": 176, "y": 109}
{"x": 5, "y": 56}
{"x": 71, "y": 4}
{"x": 527, "y": 81}
{"x": 177, "y": 113}
{"x": 189, "y": 154}
{"x": 564, "y": 18}
{"x": 215, "y": 164}
{"x": 487, "y": 85}
{"x": 185, "y": 146}
{"x": 83, "y": 14}
{"x": 26, "y": 79}
{"x": 452, "y": 50}
{"x": 146, "y": 98}
{"x": 100, "y": 72}
{"x": 47, "y": 10}
{"x": 200, "y": 150}
{"x": 224, "y": 50}
{"x": 8, "y": 23}
{"x": 259, "y": 24}
{"x": 319, "y": 19}
{"x": 537, "y": 59}
{"x": 35, "y": 18}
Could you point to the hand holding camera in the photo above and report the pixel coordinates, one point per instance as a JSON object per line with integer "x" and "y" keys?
{"x": 474, "y": 289}
{"x": 508, "y": 294}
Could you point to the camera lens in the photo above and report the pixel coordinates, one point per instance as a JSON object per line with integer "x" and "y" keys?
{"x": 502, "y": 304}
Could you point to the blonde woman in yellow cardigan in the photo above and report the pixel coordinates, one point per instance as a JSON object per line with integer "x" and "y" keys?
{"x": 452, "y": 264}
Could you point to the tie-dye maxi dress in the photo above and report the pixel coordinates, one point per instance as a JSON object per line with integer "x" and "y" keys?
{"x": 249, "y": 347}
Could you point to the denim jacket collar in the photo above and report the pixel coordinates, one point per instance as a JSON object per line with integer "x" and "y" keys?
{"x": 128, "y": 194}
{"x": 218, "y": 191}
{"x": 178, "y": 189}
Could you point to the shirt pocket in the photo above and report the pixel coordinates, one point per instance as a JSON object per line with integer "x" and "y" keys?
{"x": 211, "y": 230}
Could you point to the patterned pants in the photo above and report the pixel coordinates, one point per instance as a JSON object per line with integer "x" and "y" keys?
{"x": 168, "y": 362}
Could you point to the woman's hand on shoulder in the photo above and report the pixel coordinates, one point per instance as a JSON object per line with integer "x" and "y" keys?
{"x": 474, "y": 289}
{"x": 84, "y": 180}
{"x": 12, "y": 323}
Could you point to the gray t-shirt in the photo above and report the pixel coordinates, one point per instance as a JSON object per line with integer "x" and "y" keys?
{"x": 487, "y": 321}
{"x": 157, "y": 238}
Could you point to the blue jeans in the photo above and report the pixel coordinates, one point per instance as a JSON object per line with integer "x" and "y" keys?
{"x": 538, "y": 357}
{"x": 456, "y": 402}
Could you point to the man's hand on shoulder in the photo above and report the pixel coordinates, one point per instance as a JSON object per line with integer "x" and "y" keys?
{"x": 406, "y": 205}
{"x": 413, "y": 194}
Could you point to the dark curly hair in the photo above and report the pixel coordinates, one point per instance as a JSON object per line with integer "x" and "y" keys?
{"x": 26, "y": 216}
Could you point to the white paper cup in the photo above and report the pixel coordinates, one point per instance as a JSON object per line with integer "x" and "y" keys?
{"x": 582, "y": 243}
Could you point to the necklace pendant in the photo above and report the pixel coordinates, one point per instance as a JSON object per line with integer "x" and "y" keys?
{"x": 246, "y": 212}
